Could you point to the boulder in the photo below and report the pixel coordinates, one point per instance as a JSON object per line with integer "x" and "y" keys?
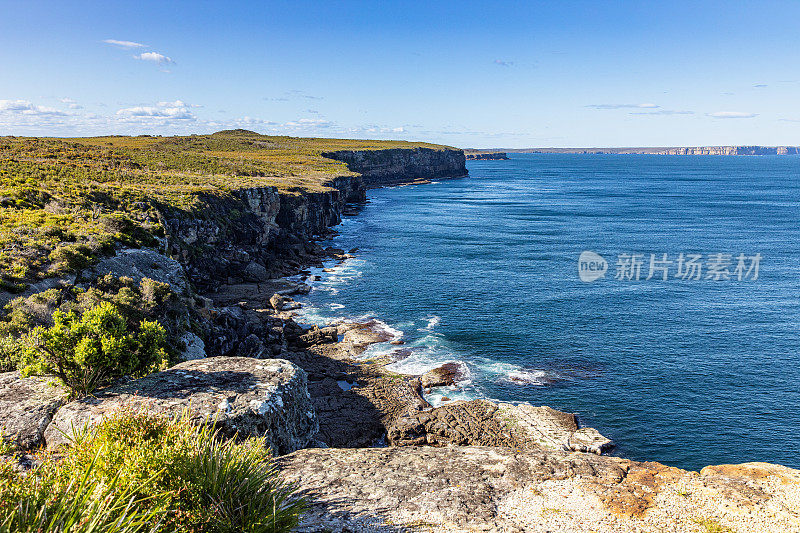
{"x": 283, "y": 303}
{"x": 195, "y": 347}
{"x": 317, "y": 335}
{"x": 144, "y": 263}
{"x": 251, "y": 346}
{"x": 588, "y": 440}
{"x": 255, "y": 272}
{"x": 295, "y": 288}
{"x": 27, "y": 406}
{"x": 357, "y": 337}
{"x": 243, "y": 397}
{"x": 446, "y": 375}
{"x": 457, "y": 423}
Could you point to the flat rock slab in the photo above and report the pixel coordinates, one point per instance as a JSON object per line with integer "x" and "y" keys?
{"x": 242, "y": 396}
{"x": 486, "y": 423}
{"x": 27, "y": 406}
{"x": 459, "y": 489}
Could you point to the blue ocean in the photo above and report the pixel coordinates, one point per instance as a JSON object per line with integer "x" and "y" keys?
{"x": 700, "y": 368}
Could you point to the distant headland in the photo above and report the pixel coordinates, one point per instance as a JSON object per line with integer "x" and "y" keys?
{"x": 686, "y": 150}
{"x": 484, "y": 154}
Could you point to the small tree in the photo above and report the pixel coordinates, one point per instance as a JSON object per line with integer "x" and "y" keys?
{"x": 91, "y": 350}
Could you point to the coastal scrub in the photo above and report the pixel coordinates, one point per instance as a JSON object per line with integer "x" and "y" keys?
{"x": 139, "y": 472}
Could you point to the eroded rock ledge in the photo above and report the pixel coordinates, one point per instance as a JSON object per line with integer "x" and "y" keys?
{"x": 501, "y": 489}
{"x": 486, "y": 423}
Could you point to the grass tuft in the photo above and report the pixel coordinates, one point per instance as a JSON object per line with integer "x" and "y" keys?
{"x": 139, "y": 472}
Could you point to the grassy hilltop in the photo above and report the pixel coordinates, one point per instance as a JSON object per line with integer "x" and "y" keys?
{"x": 64, "y": 201}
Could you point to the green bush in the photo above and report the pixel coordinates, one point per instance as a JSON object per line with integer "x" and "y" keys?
{"x": 93, "y": 349}
{"x": 9, "y": 353}
{"x": 177, "y": 476}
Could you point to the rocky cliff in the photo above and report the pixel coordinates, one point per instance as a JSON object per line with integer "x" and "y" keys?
{"x": 386, "y": 167}
{"x": 254, "y": 234}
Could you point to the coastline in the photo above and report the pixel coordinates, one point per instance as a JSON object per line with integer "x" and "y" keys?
{"x": 385, "y": 459}
{"x": 646, "y": 494}
{"x": 531, "y": 485}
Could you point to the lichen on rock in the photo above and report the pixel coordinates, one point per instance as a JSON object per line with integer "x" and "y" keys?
{"x": 242, "y": 397}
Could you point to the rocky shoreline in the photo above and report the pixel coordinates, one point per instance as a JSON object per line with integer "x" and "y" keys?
{"x": 360, "y": 441}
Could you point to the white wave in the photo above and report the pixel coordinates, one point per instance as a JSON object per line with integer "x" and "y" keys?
{"x": 439, "y": 397}
{"x": 519, "y": 375}
{"x": 433, "y": 321}
{"x": 531, "y": 377}
{"x": 336, "y": 306}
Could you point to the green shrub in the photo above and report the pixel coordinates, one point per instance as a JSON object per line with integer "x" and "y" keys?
{"x": 180, "y": 477}
{"x": 8, "y": 353}
{"x": 71, "y": 257}
{"x": 91, "y": 350}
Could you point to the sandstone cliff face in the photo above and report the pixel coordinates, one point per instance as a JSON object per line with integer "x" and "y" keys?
{"x": 385, "y": 167}
{"x": 253, "y": 234}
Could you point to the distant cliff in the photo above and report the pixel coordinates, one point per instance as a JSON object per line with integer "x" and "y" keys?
{"x": 398, "y": 165}
{"x": 485, "y": 155}
{"x": 662, "y": 150}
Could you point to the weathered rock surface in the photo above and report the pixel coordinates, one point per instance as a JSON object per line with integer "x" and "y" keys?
{"x": 255, "y": 272}
{"x": 283, "y": 303}
{"x": 27, "y": 406}
{"x": 355, "y": 401}
{"x": 143, "y": 263}
{"x": 357, "y": 337}
{"x": 460, "y": 489}
{"x": 485, "y": 423}
{"x": 317, "y": 335}
{"x": 385, "y": 167}
{"x": 445, "y": 375}
{"x": 242, "y": 396}
{"x": 195, "y": 347}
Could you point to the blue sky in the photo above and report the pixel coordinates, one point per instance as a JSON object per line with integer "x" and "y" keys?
{"x": 467, "y": 74}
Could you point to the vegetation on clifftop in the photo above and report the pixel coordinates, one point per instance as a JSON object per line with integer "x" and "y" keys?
{"x": 88, "y": 338}
{"x": 64, "y": 202}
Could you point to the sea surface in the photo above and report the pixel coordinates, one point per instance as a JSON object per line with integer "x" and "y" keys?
{"x": 484, "y": 270}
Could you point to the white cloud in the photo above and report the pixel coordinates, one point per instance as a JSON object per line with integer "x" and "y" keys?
{"x": 623, "y": 106}
{"x": 155, "y": 57}
{"x": 732, "y": 114}
{"x": 502, "y": 63}
{"x": 179, "y": 112}
{"x": 128, "y": 45}
{"x": 294, "y": 94}
{"x": 72, "y": 104}
{"x": 306, "y": 123}
{"x": 177, "y": 103}
{"x": 24, "y": 107}
{"x": 662, "y": 112}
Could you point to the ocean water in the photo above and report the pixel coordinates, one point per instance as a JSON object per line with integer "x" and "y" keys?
{"x": 484, "y": 270}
